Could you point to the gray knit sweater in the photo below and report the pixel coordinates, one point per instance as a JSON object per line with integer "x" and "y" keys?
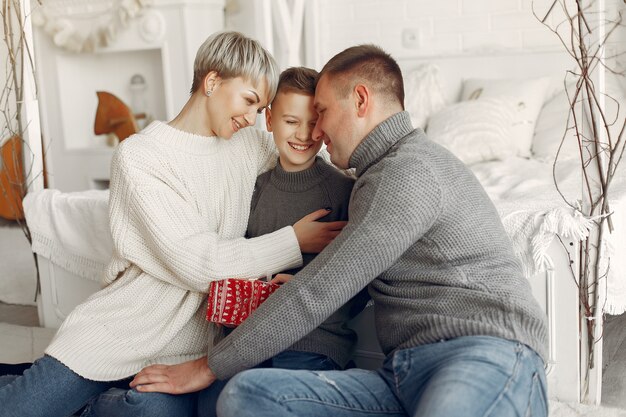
{"x": 282, "y": 198}
{"x": 425, "y": 238}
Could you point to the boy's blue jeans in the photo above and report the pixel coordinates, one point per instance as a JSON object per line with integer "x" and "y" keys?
{"x": 466, "y": 376}
{"x": 123, "y": 402}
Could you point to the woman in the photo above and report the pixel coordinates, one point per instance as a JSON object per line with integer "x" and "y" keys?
{"x": 179, "y": 204}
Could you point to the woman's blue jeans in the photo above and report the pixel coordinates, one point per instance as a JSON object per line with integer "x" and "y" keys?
{"x": 50, "y": 389}
{"x": 466, "y": 376}
{"x": 47, "y": 389}
{"x": 130, "y": 403}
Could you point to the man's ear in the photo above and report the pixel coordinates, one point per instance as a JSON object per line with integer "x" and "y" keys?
{"x": 211, "y": 81}
{"x": 268, "y": 119}
{"x": 361, "y": 99}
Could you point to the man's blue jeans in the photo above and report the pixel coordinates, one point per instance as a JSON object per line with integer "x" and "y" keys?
{"x": 207, "y": 398}
{"x": 123, "y": 402}
{"x": 466, "y": 376}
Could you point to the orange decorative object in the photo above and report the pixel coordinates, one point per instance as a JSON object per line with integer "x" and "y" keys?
{"x": 114, "y": 116}
{"x": 232, "y": 300}
{"x": 11, "y": 179}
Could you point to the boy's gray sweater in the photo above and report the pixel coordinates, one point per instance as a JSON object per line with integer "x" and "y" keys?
{"x": 425, "y": 237}
{"x": 282, "y": 198}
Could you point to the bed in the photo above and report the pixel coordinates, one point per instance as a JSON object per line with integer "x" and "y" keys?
{"x": 71, "y": 238}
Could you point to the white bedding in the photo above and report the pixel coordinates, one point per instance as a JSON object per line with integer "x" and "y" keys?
{"x": 71, "y": 229}
{"x": 533, "y": 212}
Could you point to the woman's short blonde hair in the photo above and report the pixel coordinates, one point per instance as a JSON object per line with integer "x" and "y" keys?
{"x": 231, "y": 55}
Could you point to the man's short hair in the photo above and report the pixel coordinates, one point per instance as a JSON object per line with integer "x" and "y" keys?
{"x": 367, "y": 64}
{"x": 232, "y": 55}
{"x": 299, "y": 80}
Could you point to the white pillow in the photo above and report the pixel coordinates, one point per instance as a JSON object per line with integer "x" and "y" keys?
{"x": 475, "y": 130}
{"x": 423, "y": 93}
{"x": 550, "y": 128}
{"x": 553, "y": 120}
{"x": 527, "y": 94}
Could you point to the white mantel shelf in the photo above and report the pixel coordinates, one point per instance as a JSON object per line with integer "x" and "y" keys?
{"x": 160, "y": 44}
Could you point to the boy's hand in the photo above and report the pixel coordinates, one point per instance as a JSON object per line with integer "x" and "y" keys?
{"x": 314, "y": 236}
{"x": 281, "y": 279}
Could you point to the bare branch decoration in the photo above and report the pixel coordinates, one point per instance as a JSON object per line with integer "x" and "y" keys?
{"x": 585, "y": 34}
{"x": 14, "y": 150}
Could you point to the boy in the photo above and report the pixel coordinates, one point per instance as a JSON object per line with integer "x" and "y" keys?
{"x": 300, "y": 183}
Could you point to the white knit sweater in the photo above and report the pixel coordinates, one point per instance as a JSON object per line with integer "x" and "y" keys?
{"x": 178, "y": 209}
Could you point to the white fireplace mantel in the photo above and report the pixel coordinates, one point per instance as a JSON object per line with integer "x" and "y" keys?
{"x": 159, "y": 44}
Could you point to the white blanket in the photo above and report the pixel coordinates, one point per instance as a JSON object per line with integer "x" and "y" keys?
{"x": 533, "y": 212}
{"x": 72, "y": 229}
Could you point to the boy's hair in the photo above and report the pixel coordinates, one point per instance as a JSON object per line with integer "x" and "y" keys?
{"x": 300, "y": 80}
{"x": 368, "y": 64}
{"x": 231, "y": 55}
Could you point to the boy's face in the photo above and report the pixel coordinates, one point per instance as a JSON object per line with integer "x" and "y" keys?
{"x": 291, "y": 119}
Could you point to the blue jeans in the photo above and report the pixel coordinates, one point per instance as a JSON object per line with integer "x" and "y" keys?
{"x": 122, "y": 402}
{"x": 48, "y": 388}
{"x": 466, "y": 376}
{"x": 290, "y": 359}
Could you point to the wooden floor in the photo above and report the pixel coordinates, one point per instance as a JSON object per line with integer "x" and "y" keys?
{"x": 614, "y": 368}
{"x": 20, "y": 315}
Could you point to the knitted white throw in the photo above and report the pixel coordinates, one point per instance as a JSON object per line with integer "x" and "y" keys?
{"x": 533, "y": 214}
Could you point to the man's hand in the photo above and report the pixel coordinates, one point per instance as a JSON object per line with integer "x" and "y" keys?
{"x": 186, "y": 377}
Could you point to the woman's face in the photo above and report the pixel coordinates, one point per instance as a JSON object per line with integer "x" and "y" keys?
{"x": 234, "y": 104}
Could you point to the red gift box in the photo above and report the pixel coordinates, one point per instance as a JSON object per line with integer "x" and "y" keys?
{"x": 232, "y": 300}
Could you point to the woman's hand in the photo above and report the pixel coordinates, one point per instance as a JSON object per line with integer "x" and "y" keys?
{"x": 186, "y": 377}
{"x": 314, "y": 236}
{"x": 281, "y": 279}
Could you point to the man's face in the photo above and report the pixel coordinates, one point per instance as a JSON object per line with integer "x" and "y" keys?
{"x": 291, "y": 120}
{"x": 336, "y": 123}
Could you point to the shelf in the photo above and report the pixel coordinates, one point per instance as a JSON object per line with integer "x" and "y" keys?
{"x": 81, "y": 75}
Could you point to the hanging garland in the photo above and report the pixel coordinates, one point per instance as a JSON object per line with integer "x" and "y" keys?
{"x": 85, "y": 25}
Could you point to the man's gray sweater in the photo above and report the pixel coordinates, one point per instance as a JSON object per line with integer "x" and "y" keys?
{"x": 282, "y": 198}
{"x": 427, "y": 241}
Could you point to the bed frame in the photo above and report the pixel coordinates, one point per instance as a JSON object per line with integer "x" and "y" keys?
{"x": 555, "y": 289}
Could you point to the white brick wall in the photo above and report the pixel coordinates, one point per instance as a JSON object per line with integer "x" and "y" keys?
{"x": 495, "y": 40}
{"x": 463, "y": 24}
{"x": 421, "y": 8}
{"x": 8, "y": 99}
{"x": 443, "y": 26}
{"x": 477, "y": 6}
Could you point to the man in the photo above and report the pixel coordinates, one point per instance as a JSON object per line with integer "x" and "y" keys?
{"x": 455, "y": 317}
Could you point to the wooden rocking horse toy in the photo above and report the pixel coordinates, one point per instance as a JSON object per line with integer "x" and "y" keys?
{"x": 12, "y": 185}
{"x": 114, "y": 116}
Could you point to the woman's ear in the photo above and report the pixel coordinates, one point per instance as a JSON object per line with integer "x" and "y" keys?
{"x": 361, "y": 99}
{"x": 268, "y": 119}
{"x": 211, "y": 82}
